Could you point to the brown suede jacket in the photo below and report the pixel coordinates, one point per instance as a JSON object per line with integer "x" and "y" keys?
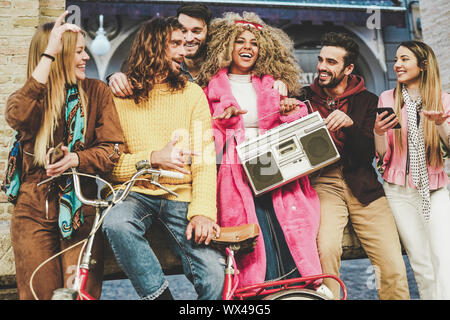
{"x": 103, "y": 137}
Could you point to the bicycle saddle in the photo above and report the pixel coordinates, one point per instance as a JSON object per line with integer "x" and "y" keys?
{"x": 240, "y": 238}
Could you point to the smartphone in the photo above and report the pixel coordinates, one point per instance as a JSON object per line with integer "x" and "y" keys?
{"x": 56, "y": 154}
{"x": 390, "y": 111}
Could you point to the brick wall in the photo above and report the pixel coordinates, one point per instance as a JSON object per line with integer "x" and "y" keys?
{"x": 18, "y": 19}
{"x": 435, "y": 17}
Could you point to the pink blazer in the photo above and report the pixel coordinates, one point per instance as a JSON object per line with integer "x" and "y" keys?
{"x": 296, "y": 204}
{"x": 394, "y": 161}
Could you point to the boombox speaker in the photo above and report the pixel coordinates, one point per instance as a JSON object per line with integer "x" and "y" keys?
{"x": 287, "y": 152}
{"x": 318, "y": 147}
{"x": 263, "y": 171}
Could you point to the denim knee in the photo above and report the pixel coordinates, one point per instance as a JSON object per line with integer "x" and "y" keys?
{"x": 214, "y": 283}
{"x": 209, "y": 281}
{"x": 126, "y": 217}
{"x": 114, "y": 224}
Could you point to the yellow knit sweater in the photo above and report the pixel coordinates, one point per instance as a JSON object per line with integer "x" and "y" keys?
{"x": 150, "y": 125}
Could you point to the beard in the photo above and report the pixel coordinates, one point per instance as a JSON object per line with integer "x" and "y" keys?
{"x": 201, "y": 51}
{"x": 334, "y": 81}
{"x": 175, "y": 79}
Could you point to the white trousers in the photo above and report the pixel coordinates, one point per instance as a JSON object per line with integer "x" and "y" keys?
{"x": 426, "y": 243}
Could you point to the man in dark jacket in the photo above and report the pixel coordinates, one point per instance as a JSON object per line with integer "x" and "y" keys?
{"x": 349, "y": 189}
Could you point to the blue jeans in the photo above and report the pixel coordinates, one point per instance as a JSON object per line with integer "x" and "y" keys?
{"x": 125, "y": 226}
{"x": 279, "y": 259}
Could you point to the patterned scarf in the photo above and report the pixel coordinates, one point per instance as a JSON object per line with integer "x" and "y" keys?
{"x": 11, "y": 184}
{"x": 416, "y": 147}
{"x": 70, "y": 214}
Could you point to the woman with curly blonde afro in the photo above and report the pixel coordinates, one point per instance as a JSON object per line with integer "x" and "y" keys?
{"x": 275, "y": 50}
{"x": 244, "y": 58}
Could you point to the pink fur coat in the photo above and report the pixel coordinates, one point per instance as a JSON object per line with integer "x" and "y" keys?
{"x": 296, "y": 204}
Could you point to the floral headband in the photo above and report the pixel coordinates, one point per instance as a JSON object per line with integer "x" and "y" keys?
{"x": 249, "y": 24}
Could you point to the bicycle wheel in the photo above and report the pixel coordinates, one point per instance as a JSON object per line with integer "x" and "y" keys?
{"x": 297, "y": 294}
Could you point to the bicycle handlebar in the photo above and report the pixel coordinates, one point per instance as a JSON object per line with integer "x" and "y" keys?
{"x": 79, "y": 194}
{"x": 143, "y": 167}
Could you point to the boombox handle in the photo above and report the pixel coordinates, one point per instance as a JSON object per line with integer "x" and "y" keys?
{"x": 309, "y": 106}
{"x": 219, "y": 157}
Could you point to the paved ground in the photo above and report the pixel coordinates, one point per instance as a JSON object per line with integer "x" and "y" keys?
{"x": 358, "y": 276}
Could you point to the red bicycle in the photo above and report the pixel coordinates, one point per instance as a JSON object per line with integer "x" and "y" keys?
{"x": 78, "y": 290}
{"x": 232, "y": 241}
{"x": 241, "y": 240}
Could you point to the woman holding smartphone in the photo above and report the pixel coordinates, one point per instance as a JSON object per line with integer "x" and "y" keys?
{"x": 411, "y": 160}
{"x": 58, "y": 104}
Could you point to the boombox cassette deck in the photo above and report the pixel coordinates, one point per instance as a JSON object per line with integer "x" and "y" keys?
{"x": 287, "y": 152}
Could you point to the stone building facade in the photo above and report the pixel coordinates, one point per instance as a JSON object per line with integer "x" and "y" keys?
{"x": 18, "y": 19}
{"x": 435, "y": 17}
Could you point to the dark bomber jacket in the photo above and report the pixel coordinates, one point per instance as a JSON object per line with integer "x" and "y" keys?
{"x": 359, "y": 147}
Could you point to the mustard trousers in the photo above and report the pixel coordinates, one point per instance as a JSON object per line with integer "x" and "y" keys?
{"x": 375, "y": 227}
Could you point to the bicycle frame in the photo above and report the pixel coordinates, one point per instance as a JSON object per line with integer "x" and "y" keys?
{"x": 78, "y": 290}
{"x": 231, "y": 281}
{"x": 230, "y": 291}
{"x": 143, "y": 168}
{"x": 83, "y": 271}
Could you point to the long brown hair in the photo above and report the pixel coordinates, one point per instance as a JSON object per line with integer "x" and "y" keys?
{"x": 61, "y": 73}
{"x": 431, "y": 92}
{"x": 147, "y": 60}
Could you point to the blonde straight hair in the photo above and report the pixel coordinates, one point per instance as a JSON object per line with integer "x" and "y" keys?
{"x": 62, "y": 73}
{"x": 431, "y": 92}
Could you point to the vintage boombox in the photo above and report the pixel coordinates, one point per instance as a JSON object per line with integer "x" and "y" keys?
{"x": 287, "y": 152}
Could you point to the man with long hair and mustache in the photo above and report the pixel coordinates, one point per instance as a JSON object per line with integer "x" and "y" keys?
{"x": 195, "y": 18}
{"x": 161, "y": 122}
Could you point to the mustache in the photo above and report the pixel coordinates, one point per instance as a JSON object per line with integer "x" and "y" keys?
{"x": 201, "y": 51}
{"x": 325, "y": 71}
{"x": 196, "y": 42}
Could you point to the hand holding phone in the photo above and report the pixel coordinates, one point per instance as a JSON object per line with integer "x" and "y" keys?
{"x": 56, "y": 154}
{"x": 390, "y": 111}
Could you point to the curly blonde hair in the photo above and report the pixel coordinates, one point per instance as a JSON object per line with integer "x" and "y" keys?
{"x": 275, "y": 58}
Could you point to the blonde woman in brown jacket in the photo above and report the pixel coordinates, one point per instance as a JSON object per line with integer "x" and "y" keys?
{"x": 58, "y": 104}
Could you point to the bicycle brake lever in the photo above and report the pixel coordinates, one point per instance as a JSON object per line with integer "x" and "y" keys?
{"x": 164, "y": 188}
